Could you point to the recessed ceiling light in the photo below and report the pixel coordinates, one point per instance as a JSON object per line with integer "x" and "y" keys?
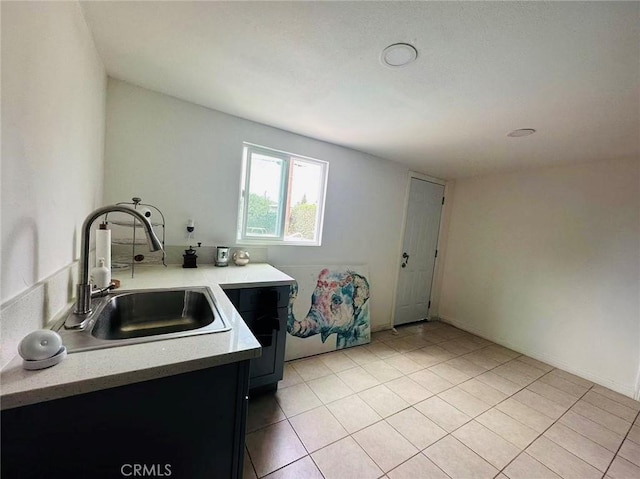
{"x": 399, "y": 55}
{"x": 521, "y": 132}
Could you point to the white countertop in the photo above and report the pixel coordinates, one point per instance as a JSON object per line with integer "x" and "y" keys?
{"x": 88, "y": 371}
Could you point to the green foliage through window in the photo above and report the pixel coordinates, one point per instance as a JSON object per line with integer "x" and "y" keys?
{"x": 303, "y": 221}
{"x": 261, "y": 217}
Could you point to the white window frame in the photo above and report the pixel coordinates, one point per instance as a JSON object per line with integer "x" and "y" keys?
{"x": 279, "y": 239}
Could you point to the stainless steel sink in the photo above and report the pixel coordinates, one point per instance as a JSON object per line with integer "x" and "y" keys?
{"x": 131, "y": 317}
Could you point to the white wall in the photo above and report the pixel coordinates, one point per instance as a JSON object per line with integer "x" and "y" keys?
{"x": 186, "y": 160}
{"x": 53, "y": 110}
{"x": 548, "y": 262}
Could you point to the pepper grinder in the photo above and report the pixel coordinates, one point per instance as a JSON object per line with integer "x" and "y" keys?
{"x": 190, "y": 257}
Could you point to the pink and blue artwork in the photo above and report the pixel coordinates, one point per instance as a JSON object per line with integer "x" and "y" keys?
{"x": 328, "y": 309}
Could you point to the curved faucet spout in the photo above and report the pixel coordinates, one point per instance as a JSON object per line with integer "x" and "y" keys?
{"x": 83, "y": 303}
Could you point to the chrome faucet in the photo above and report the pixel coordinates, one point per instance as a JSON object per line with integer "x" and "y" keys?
{"x": 83, "y": 288}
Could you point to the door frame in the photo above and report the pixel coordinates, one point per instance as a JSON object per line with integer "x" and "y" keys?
{"x": 436, "y": 280}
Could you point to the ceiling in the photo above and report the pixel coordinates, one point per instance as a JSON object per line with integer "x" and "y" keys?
{"x": 571, "y": 70}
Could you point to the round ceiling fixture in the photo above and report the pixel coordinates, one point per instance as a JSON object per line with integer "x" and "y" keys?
{"x": 521, "y": 132}
{"x": 399, "y": 55}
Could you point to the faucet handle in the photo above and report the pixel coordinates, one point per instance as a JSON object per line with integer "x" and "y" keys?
{"x": 97, "y": 293}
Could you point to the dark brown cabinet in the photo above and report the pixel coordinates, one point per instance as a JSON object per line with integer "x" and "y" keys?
{"x": 265, "y": 311}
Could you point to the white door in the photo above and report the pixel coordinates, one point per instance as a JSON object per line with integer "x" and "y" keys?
{"x": 418, "y": 251}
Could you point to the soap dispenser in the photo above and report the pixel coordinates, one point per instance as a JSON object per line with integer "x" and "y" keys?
{"x": 101, "y": 275}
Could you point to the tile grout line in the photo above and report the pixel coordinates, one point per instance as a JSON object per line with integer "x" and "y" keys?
{"x": 500, "y": 471}
{"x": 348, "y": 434}
{"x": 303, "y": 445}
{"x": 612, "y": 400}
{"x": 511, "y": 396}
{"x": 436, "y": 394}
{"x": 491, "y": 407}
{"x": 597, "y": 424}
{"x": 384, "y": 473}
{"x": 428, "y": 458}
{"x": 549, "y": 427}
{"x": 298, "y": 459}
{"x": 603, "y": 410}
{"x": 453, "y": 406}
{"x": 433, "y": 394}
{"x": 621, "y": 444}
{"x": 287, "y": 418}
{"x": 246, "y": 449}
{"x": 412, "y": 405}
{"x": 421, "y": 451}
{"x": 382, "y": 419}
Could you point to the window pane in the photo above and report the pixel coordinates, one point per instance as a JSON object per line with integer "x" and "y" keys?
{"x": 265, "y": 196}
{"x": 306, "y": 180}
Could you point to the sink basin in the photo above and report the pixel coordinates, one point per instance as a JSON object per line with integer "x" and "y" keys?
{"x": 135, "y": 315}
{"x": 131, "y": 317}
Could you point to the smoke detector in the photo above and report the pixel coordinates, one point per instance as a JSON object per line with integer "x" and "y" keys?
{"x": 399, "y": 55}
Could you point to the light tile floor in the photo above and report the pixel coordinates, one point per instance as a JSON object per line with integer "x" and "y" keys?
{"x": 436, "y": 402}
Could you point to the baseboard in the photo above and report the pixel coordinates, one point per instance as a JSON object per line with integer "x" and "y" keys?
{"x": 637, "y": 391}
{"x": 628, "y": 390}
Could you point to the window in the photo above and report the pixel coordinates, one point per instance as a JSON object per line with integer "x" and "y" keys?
{"x": 281, "y": 197}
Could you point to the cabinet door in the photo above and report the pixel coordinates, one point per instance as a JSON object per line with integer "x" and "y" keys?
{"x": 234, "y": 297}
{"x": 267, "y": 319}
{"x": 249, "y": 298}
{"x": 190, "y": 425}
{"x": 265, "y": 364}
